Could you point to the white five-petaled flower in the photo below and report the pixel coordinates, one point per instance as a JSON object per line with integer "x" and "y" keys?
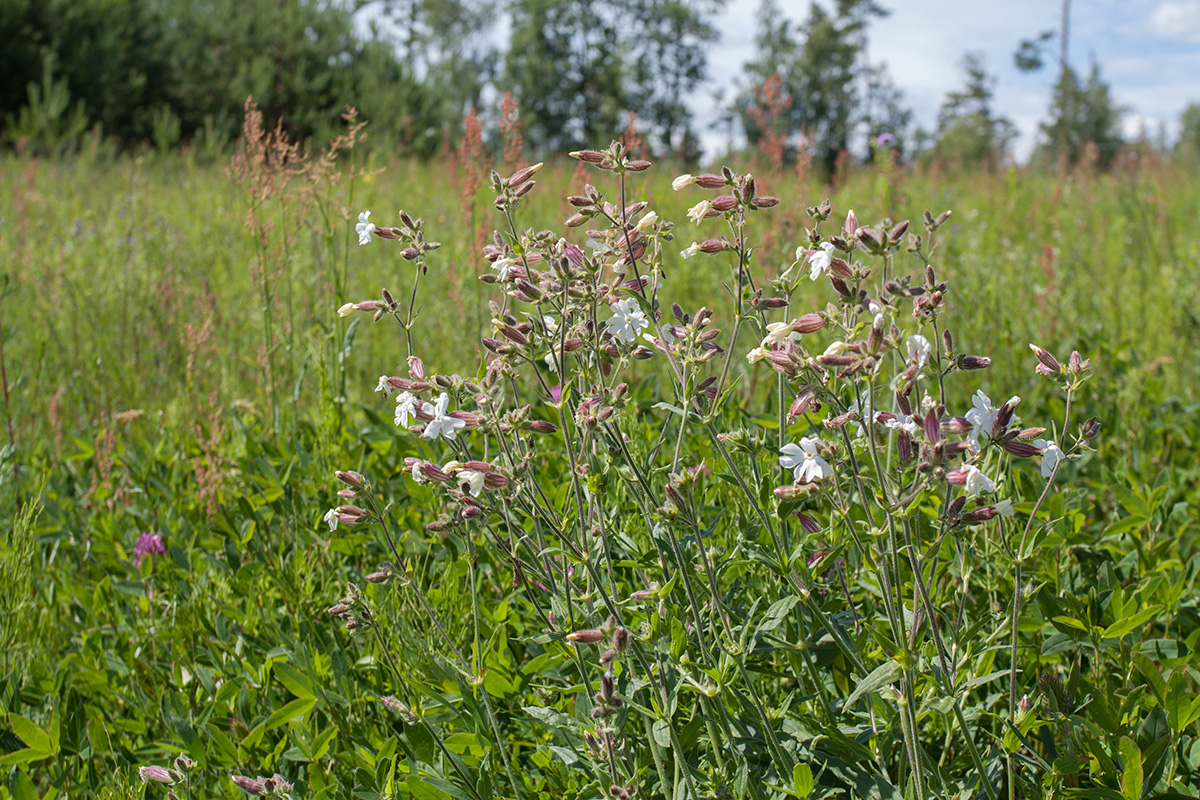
{"x": 981, "y": 416}
{"x": 777, "y": 333}
{"x": 442, "y": 423}
{"x": 331, "y": 519}
{"x": 407, "y": 404}
{"x": 645, "y": 222}
{"x": 383, "y": 386}
{"x": 627, "y": 320}
{"x": 1005, "y": 508}
{"x": 682, "y": 181}
{"x": 919, "y": 348}
{"x": 690, "y": 251}
{"x": 417, "y": 475}
{"x": 698, "y": 212}
{"x": 473, "y": 479}
{"x": 347, "y": 309}
{"x": 756, "y": 355}
{"x": 804, "y": 461}
{"x": 903, "y": 422}
{"x": 977, "y": 483}
{"x": 820, "y": 260}
{"x": 1051, "y": 455}
{"x": 503, "y": 266}
{"x": 365, "y": 228}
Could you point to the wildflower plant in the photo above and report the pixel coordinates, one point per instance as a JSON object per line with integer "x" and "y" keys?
{"x": 767, "y": 550}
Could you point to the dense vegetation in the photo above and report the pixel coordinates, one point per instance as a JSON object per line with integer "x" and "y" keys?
{"x": 179, "y": 391}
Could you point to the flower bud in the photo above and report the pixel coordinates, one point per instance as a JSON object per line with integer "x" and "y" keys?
{"x": 1052, "y": 367}
{"x": 351, "y": 478}
{"x": 809, "y": 323}
{"x": 253, "y": 786}
{"x": 709, "y": 181}
{"x": 520, "y": 176}
{"x": 589, "y": 636}
{"x": 1016, "y": 447}
{"x": 156, "y": 774}
{"x": 975, "y": 362}
{"x": 588, "y": 156}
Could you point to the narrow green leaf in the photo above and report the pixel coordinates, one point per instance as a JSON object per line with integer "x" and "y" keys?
{"x": 881, "y": 676}
{"x": 293, "y": 710}
{"x": 1130, "y": 624}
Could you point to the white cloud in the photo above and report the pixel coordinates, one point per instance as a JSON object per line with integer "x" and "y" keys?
{"x": 1177, "y": 19}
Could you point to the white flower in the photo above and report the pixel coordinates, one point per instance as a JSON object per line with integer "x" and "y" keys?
{"x": 981, "y": 416}
{"x": 682, "y": 181}
{"x": 1004, "y": 508}
{"x": 417, "y": 474}
{"x": 365, "y": 228}
{"x": 347, "y": 309}
{"x": 777, "y": 333}
{"x": 1051, "y": 455}
{"x": 977, "y": 483}
{"x": 552, "y": 362}
{"x": 919, "y": 348}
{"x": 697, "y": 212}
{"x": 804, "y": 462}
{"x": 645, "y": 222}
{"x": 406, "y": 408}
{"x": 627, "y": 320}
{"x": 756, "y": 355}
{"x": 819, "y": 260}
{"x": 503, "y": 266}
{"x": 383, "y": 386}
{"x": 836, "y": 349}
{"x": 442, "y": 423}
{"x": 331, "y": 519}
{"x": 903, "y": 422}
{"x": 474, "y": 480}
{"x": 690, "y": 251}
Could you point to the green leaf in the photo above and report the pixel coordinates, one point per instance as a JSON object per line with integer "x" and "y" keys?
{"x": 881, "y": 676}
{"x": 802, "y": 780}
{"x": 296, "y": 682}
{"x": 293, "y": 710}
{"x": 31, "y": 734}
{"x": 1131, "y": 772}
{"x": 20, "y": 786}
{"x": 1130, "y": 624}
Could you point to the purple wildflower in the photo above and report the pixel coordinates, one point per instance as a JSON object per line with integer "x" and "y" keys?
{"x": 148, "y": 544}
{"x": 885, "y": 140}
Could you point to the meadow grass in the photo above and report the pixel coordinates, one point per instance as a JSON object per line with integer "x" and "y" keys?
{"x": 141, "y": 397}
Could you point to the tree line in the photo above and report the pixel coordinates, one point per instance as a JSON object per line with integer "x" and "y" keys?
{"x": 161, "y": 72}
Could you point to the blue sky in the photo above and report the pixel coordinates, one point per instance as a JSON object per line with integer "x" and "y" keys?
{"x": 1148, "y": 51}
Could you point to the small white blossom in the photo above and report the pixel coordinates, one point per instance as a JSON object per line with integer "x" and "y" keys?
{"x": 690, "y": 251}
{"x": 383, "y": 386}
{"x": 697, "y": 212}
{"x": 981, "y": 416}
{"x": 503, "y": 266}
{"x": 551, "y": 360}
{"x": 777, "y": 333}
{"x": 977, "y": 483}
{"x": 803, "y": 460}
{"x": 364, "y": 228}
{"x": 442, "y": 423}
{"x": 1051, "y": 455}
{"x": 473, "y": 479}
{"x": 919, "y": 348}
{"x": 682, "y": 181}
{"x": 627, "y": 320}
{"x": 646, "y": 222}
{"x": 903, "y": 422}
{"x": 331, "y": 519}
{"x": 1005, "y": 508}
{"x": 756, "y": 355}
{"x": 406, "y": 408}
{"x": 417, "y": 474}
{"x": 347, "y": 309}
{"x": 836, "y": 349}
{"x": 820, "y": 260}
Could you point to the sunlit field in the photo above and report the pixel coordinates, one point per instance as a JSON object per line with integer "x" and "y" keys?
{"x": 644, "y": 601}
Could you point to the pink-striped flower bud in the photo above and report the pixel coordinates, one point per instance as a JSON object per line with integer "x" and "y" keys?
{"x": 589, "y": 636}
{"x": 975, "y": 362}
{"x": 156, "y": 774}
{"x": 809, "y": 323}
{"x": 1016, "y": 447}
{"x": 1047, "y": 361}
{"x": 808, "y": 523}
{"x": 520, "y": 176}
{"x": 254, "y": 786}
{"x": 709, "y": 181}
